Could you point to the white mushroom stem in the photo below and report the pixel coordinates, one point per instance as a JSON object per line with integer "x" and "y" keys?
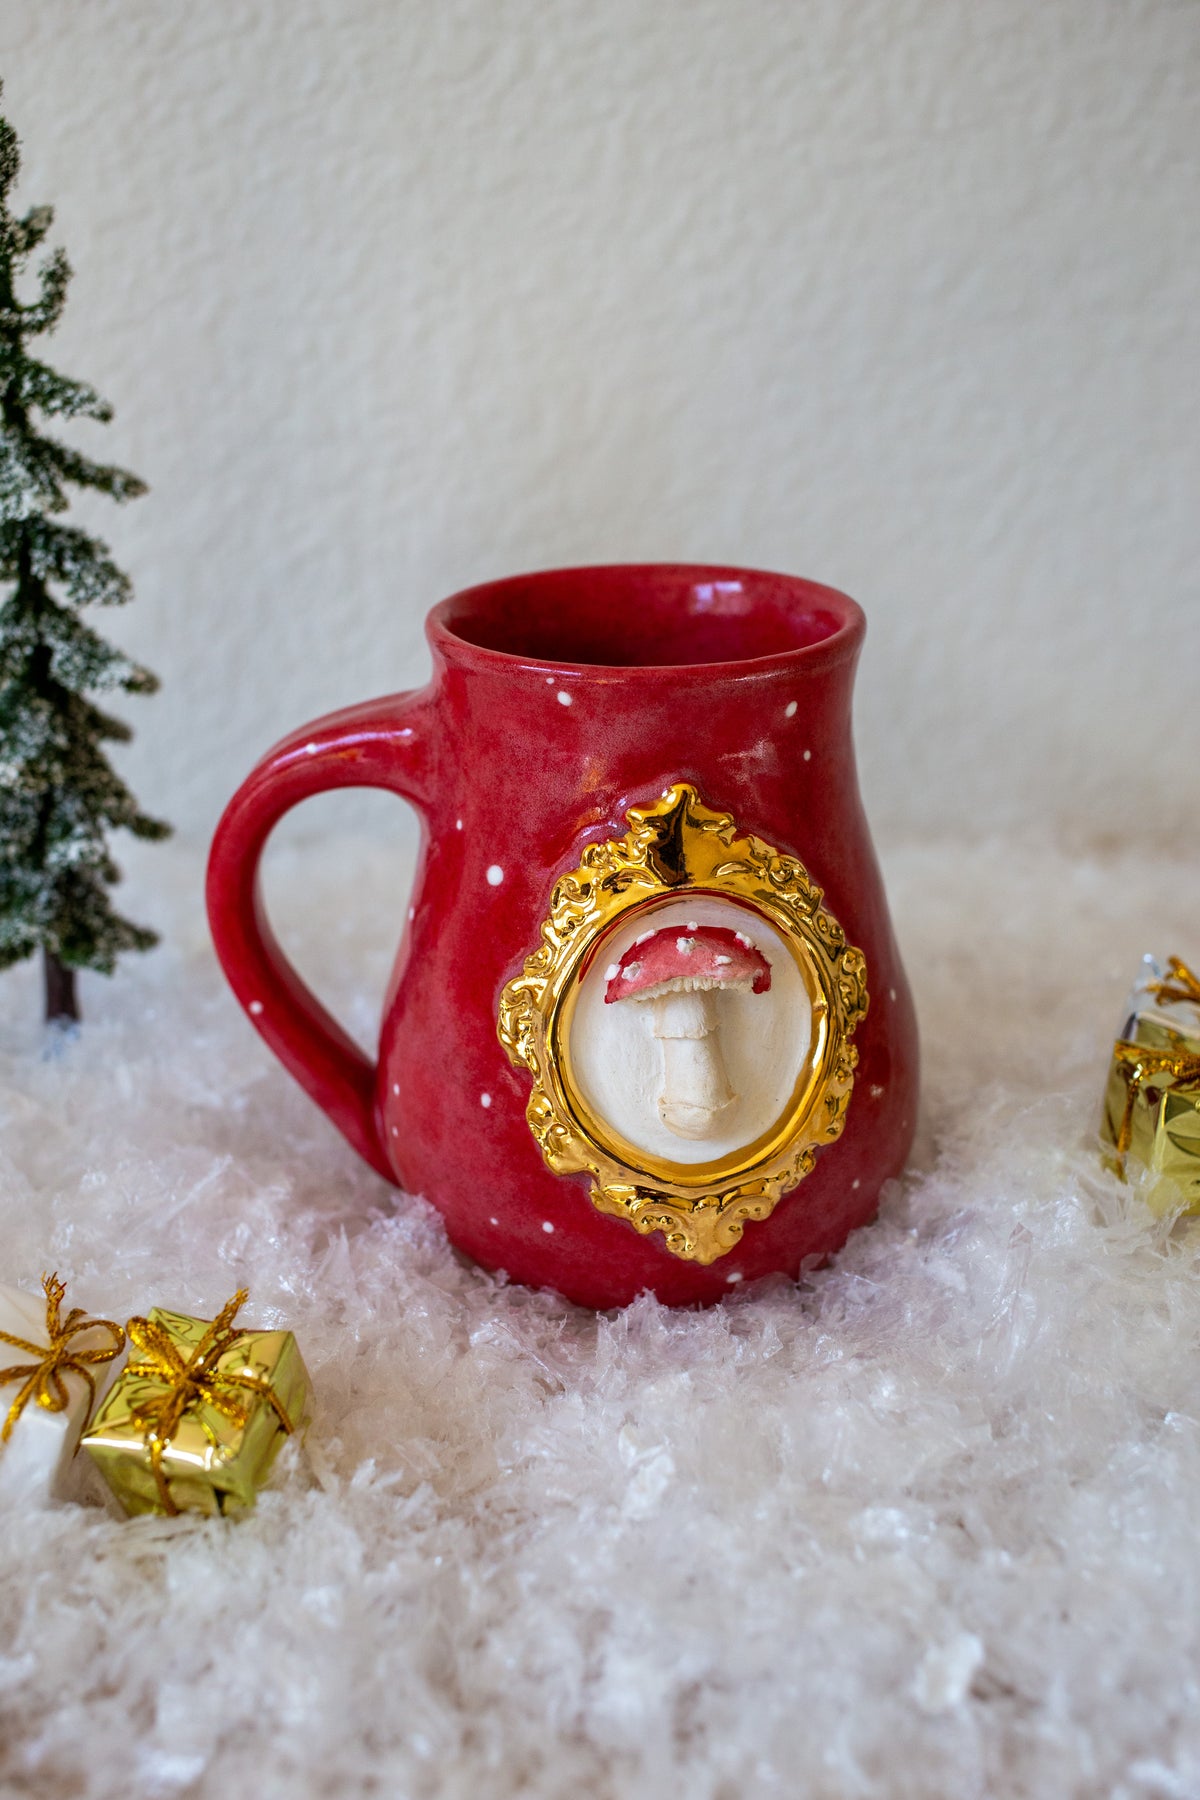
{"x": 695, "y": 1086}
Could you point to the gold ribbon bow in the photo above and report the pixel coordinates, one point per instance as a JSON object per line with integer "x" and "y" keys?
{"x": 190, "y": 1379}
{"x": 56, "y": 1359}
{"x": 1180, "y": 984}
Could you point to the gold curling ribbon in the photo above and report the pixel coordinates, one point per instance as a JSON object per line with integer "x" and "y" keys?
{"x": 1180, "y": 984}
{"x": 56, "y": 1359}
{"x": 191, "y": 1379}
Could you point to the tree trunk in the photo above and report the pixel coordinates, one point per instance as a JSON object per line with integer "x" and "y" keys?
{"x": 61, "y": 1003}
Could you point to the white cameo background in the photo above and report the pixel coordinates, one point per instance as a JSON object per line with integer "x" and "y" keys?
{"x": 764, "y": 1039}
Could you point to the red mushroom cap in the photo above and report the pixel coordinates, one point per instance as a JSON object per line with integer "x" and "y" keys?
{"x": 680, "y": 958}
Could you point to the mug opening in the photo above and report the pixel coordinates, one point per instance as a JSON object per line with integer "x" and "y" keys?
{"x": 654, "y": 615}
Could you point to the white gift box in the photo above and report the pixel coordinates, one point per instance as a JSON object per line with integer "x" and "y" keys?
{"x": 38, "y": 1461}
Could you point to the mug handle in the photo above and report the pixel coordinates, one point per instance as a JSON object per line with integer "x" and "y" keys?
{"x": 384, "y": 743}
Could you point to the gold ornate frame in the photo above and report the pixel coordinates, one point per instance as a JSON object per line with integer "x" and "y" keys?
{"x": 676, "y": 846}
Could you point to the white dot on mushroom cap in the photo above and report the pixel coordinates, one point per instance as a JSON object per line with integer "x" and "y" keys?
{"x": 722, "y": 959}
{"x": 735, "y": 1276}
{"x": 808, "y": 756}
{"x": 395, "y": 1087}
{"x": 546, "y": 1225}
{"x": 256, "y": 1006}
{"x": 891, "y": 993}
{"x": 644, "y": 939}
{"x": 493, "y": 1221}
{"x": 412, "y": 912}
{"x": 495, "y": 875}
{"x": 876, "y": 1090}
{"x": 790, "y": 709}
{"x": 743, "y": 939}
{"x": 485, "y": 1099}
{"x": 692, "y": 925}
{"x": 395, "y": 1131}
{"x": 549, "y": 681}
{"x": 856, "y": 1184}
{"x": 564, "y": 699}
{"x": 612, "y": 971}
{"x": 458, "y": 824}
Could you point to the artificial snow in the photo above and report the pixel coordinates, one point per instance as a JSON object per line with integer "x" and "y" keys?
{"x": 923, "y": 1525}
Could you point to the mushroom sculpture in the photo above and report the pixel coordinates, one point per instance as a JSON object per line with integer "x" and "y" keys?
{"x": 680, "y": 975}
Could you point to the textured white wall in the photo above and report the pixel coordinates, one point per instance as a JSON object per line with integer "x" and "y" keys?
{"x": 900, "y": 294}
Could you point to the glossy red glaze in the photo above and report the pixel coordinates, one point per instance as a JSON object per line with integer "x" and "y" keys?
{"x": 558, "y": 701}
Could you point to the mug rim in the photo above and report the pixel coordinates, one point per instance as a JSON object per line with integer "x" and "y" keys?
{"x": 840, "y": 645}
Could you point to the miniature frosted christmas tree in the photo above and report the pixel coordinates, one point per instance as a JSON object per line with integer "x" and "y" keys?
{"x": 59, "y": 795}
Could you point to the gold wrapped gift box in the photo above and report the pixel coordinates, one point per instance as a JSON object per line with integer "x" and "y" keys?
{"x": 199, "y": 1414}
{"x": 1152, "y": 1100}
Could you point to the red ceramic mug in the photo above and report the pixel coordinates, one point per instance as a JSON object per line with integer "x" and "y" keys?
{"x": 648, "y": 1026}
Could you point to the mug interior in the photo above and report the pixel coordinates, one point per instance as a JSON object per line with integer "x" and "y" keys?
{"x": 649, "y": 616}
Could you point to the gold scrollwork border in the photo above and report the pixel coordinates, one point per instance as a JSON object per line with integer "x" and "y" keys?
{"x": 676, "y": 845}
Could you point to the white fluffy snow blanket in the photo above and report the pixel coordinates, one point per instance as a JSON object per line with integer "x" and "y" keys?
{"x": 924, "y": 1525}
